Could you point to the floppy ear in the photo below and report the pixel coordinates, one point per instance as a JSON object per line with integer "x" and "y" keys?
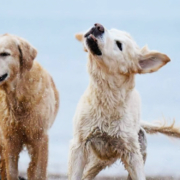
{"x": 151, "y": 61}
{"x": 80, "y": 37}
{"x": 27, "y": 54}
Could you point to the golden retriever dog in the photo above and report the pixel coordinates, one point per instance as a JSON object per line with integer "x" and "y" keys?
{"x": 107, "y": 122}
{"x": 29, "y": 103}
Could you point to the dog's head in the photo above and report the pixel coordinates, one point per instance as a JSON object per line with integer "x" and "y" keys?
{"x": 118, "y": 52}
{"x": 16, "y": 57}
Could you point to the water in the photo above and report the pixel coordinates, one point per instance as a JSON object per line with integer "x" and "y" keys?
{"x": 50, "y": 26}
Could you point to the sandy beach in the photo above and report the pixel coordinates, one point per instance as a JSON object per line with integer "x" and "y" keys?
{"x": 64, "y": 177}
{"x": 119, "y": 178}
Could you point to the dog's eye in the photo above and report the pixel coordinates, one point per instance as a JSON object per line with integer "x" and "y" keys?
{"x": 119, "y": 44}
{"x": 4, "y": 54}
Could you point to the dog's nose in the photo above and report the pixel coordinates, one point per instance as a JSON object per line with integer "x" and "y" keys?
{"x": 99, "y": 27}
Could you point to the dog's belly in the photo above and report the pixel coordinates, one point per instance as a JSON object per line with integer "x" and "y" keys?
{"x": 104, "y": 146}
{"x": 107, "y": 147}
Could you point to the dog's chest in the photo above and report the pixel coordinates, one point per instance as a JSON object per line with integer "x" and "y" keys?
{"x": 113, "y": 117}
{"x": 24, "y": 126}
{"x": 111, "y": 121}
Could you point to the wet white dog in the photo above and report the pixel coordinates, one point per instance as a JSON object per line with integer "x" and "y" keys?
{"x": 107, "y": 120}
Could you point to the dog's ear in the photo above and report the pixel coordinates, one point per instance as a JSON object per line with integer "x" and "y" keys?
{"x": 27, "y": 54}
{"x": 145, "y": 49}
{"x": 80, "y": 37}
{"x": 151, "y": 61}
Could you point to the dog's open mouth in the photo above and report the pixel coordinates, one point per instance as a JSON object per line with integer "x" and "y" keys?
{"x": 93, "y": 45}
{"x": 3, "y": 77}
{"x": 92, "y": 38}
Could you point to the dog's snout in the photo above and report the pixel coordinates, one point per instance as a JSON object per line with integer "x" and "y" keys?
{"x": 99, "y": 27}
{"x": 96, "y": 30}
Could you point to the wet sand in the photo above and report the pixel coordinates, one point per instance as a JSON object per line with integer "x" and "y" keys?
{"x": 63, "y": 177}
{"x": 117, "y": 178}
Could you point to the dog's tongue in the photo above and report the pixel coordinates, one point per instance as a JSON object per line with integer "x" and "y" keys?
{"x": 93, "y": 37}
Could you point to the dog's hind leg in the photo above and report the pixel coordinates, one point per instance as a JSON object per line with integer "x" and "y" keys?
{"x": 143, "y": 143}
{"x": 77, "y": 160}
{"x": 143, "y": 146}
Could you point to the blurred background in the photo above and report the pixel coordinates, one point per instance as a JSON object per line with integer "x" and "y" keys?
{"x": 51, "y": 25}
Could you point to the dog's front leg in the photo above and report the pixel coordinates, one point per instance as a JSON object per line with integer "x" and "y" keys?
{"x": 39, "y": 157}
{"x": 143, "y": 146}
{"x": 134, "y": 164}
{"x": 77, "y": 161}
{"x": 132, "y": 158}
{"x": 2, "y": 164}
{"x": 12, "y": 148}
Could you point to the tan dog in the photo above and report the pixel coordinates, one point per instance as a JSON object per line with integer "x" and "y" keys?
{"x": 107, "y": 119}
{"x": 28, "y": 106}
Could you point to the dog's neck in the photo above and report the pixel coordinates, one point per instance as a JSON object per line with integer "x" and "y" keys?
{"x": 112, "y": 88}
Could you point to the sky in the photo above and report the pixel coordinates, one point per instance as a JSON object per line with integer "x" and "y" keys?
{"x": 50, "y": 27}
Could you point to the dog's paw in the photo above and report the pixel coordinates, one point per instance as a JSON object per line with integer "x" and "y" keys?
{"x": 21, "y": 178}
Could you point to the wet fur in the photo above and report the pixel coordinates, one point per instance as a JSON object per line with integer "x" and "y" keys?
{"x": 162, "y": 127}
{"x": 107, "y": 119}
{"x": 106, "y": 147}
{"x": 29, "y": 103}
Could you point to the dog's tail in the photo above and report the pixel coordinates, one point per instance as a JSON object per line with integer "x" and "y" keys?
{"x": 169, "y": 130}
